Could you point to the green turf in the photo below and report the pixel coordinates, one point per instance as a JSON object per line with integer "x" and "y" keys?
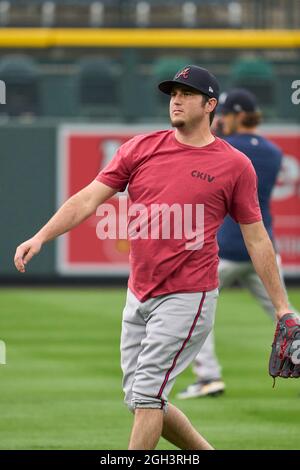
{"x": 61, "y": 387}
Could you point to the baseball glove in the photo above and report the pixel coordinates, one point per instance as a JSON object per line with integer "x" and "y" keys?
{"x": 285, "y": 355}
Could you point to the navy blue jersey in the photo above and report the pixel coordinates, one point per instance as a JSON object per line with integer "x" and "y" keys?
{"x": 266, "y": 159}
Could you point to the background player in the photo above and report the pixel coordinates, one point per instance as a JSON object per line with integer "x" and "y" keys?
{"x": 238, "y": 121}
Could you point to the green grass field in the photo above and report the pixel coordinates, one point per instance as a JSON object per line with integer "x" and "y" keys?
{"x": 61, "y": 386}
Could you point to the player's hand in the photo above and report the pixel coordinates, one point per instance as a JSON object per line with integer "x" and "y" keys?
{"x": 25, "y": 252}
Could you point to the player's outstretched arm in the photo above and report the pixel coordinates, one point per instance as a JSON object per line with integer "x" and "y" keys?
{"x": 261, "y": 251}
{"x": 76, "y": 209}
{"x": 283, "y": 360}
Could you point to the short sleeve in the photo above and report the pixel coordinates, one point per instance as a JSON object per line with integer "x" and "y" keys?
{"x": 244, "y": 207}
{"x": 117, "y": 173}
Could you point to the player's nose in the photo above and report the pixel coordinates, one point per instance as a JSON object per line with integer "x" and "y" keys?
{"x": 177, "y": 100}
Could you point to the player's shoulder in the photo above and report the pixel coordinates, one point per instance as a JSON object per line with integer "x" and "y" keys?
{"x": 248, "y": 142}
{"x": 138, "y": 147}
{"x": 232, "y": 154}
{"x": 147, "y": 137}
{"x": 144, "y": 141}
{"x": 271, "y": 145}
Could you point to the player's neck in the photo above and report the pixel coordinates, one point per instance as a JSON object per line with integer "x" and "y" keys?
{"x": 246, "y": 130}
{"x": 195, "y": 138}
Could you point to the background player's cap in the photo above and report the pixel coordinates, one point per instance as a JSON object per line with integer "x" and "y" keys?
{"x": 236, "y": 101}
{"x": 195, "y": 77}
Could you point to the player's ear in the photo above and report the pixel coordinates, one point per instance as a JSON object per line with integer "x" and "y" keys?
{"x": 212, "y": 103}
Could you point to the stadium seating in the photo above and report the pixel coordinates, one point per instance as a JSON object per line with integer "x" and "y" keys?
{"x": 151, "y": 13}
{"x": 66, "y": 13}
{"x": 257, "y": 75}
{"x": 98, "y": 88}
{"x": 21, "y": 76}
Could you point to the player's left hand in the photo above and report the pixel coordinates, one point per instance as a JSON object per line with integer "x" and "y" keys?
{"x": 285, "y": 356}
{"x": 25, "y": 252}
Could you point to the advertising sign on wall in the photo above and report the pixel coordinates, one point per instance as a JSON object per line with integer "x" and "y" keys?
{"x": 84, "y": 150}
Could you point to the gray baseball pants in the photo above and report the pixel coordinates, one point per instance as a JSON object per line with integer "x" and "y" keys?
{"x": 160, "y": 338}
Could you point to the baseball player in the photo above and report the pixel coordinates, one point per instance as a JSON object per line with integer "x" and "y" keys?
{"x": 239, "y": 118}
{"x": 173, "y": 283}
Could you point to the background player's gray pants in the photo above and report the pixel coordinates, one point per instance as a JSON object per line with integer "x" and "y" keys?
{"x": 160, "y": 338}
{"x": 206, "y": 365}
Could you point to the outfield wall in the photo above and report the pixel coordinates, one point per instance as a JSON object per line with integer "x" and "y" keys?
{"x": 43, "y": 164}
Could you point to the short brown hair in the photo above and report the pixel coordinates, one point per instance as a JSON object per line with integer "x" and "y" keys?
{"x": 205, "y": 99}
{"x": 252, "y": 119}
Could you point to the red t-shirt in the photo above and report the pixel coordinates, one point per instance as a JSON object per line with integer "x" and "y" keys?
{"x": 158, "y": 169}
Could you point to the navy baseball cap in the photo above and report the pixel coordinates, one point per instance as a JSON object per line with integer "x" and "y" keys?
{"x": 195, "y": 77}
{"x": 236, "y": 101}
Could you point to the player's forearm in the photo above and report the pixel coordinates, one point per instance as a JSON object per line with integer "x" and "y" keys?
{"x": 264, "y": 261}
{"x": 75, "y": 210}
{"x": 70, "y": 214}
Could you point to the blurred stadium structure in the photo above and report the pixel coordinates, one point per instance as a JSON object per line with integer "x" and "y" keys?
{"x": 90, "y": 62}
{"x": 154, "y": 13}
